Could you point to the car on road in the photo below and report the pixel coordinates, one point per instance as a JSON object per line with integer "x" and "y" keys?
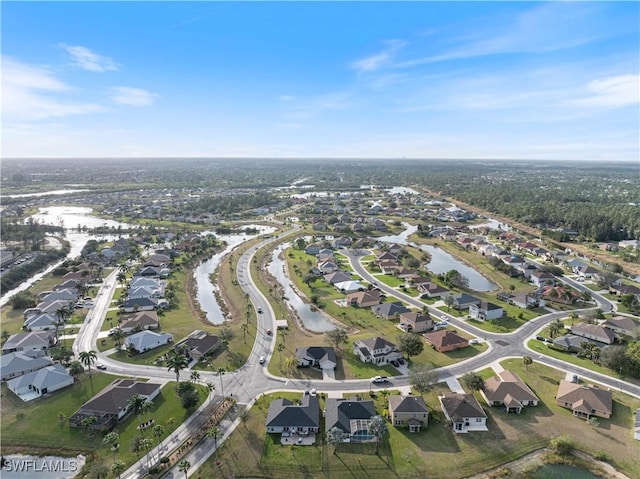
{"x": 259, "y": 310}
{"x": 269, "y": 332}
{"x": 474, "y": 341}
{"x": 262, "y": 360}
{"x": 101, "y": 366}
{"x": 379, "y": 379}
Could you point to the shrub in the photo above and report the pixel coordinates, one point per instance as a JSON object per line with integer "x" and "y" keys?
{"x": 561, "y": 445}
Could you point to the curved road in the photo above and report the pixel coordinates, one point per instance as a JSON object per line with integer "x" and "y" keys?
{"x": 253, "y": 379}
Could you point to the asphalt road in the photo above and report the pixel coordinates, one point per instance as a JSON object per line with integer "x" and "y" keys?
{"x": 251, "y": 380}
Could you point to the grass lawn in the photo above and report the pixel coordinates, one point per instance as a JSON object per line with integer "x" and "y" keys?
{"x": 389, "y": 280}
{"x": 505, "y": 324}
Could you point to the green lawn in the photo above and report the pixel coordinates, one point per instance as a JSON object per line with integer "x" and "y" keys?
{"x": 389, "y": 280}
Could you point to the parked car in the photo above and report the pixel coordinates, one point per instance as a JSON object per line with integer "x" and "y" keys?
{"x": 379, "y": 379}
{"x": 395, "y": 363}
{"x": 474, "y": 341}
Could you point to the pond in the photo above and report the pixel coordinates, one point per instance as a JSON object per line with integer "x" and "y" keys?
{"x": 314, "y": 321}
{"x": 205, "y": 290}
{"x": 441, "y": 261}
{"x": 561, "y": 471}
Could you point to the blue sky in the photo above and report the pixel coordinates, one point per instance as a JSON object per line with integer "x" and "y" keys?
{"x": 504, "y": 80}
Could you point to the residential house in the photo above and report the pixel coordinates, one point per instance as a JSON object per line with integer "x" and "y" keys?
{"x": 198, "y": 345}
{"x": 541, "y": 278}
{"x": 41, "y": 322}
{"x": 322, "y": 357}
{"x": 327, "y": 266}
{"x": 38, "y": 340}
{"x": 139, "y": 304}
{"x": 524, "y": 301}
{"x": 409, "y": 411}
{"x": 584, "y": 401}
{"x": 67, "y": 295}
{"x": 112, "y": 403}
{"x": 389, "y": 266}
{"x": 572, "y": 343}
{"x": 464, "y": 412}
{"x": 349, "y": 286}
{"x": 594, "y": 331}
{"x": 446, "y": 340}
{"x": 413, "y": 322}
{"x": 586, "y": 271}
{"x": 432, "y": 290}
{"x": 509, "y": 391}
{"x": 558, "y": 294}
{"x": 146, "y": 340}
{"x": 41, "y": 382}
{"x": 464, "y": 300}
{"x": 352, "y": 416}
{"x": 485, "y": 311}
{"x": 17, "y": 364}
{"x": 337, "y": 277}
{"x": 364, "y": 299}
{"x": 624, "y": 289}
{"x": 389, "y": 310}
{"x": 622, "y": 326}
{"x": 143, "y": 292}
{"x": 294, "y": 421}
{"x": 376, "y": 350}
{"x": 139, "y": 322}
{"x": 313, "y": 249}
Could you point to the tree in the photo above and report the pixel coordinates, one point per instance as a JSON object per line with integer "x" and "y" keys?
{"x": 245, "y": 330}
{"x": 335, "y": 436}
{"x": 378, "y": 427}
{"x": 422, "y": 377}
{"x": 555, "y": 328}
{"x": 5, "y": 335}
{"x": 337, "y": 337}
{"x": 136, "y": 404}
{"x": 188, "y": 393}
{"x": 290, "y": 363}
{"x": 220, "y": 372}
{"x": 473, "y": 381}
{"x": 62, "y": 315}
{"x": 117, "y": 468}
{"x": 146, "y": 443}
{"x": 111, "y": 441}
{"x": 214, "y": 432}
{"x": 527, "y": 360}
{"x": 449, "y": 301}
{"x": 75, "y": 369}
{"x": 176, "y": 362}
{"x": 88, "y": 358}
{"x": 184, "y": 466}
{"x": 614, "y": 358}
{"x": 158, "y": 430}
{"x": 410, "y": 344}
{"x": 454, "y": 278}
{"x": 210, "y": 387}
{"x": 194, "y": 376}
{"x": 118, "y": 336}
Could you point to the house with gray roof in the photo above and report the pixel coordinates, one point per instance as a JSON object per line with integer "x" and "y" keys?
{"x": 292, "y": 420}
{"x": 112, "y": 403}
{"x": 198, "y": 345}
{"x": 389, "y": 310}
{"x": 464, "y": 300}
{"x": 144, "y": 341}
{"x": 409, "y": 411}
{"x": 41, "y": 322}
{"x": 622, "y": 326}
{"x": 13, "y": 365}
{"x": 594, "y": 332}
{"x": 352, "y": 416}
{"x": 41, "y": 382}
{"x": 464, "y": 412}
{"x": 39, "y": 340}
{"x": 376, "y": 350}
{"x": 572, "y": 343}
{"x": 584, "y": 401}
{"x": 322, "y": 357}
{"x": 139, "y": 304}
{"x": 485, "y": 311}
{"x": 337, "y": 277}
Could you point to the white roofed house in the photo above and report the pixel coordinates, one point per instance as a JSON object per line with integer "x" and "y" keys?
{"x": 146, "y": 340}
{"x": 349, "y": 286}
{"x": 17, "y": 364}
{"x": 41, "y": 382}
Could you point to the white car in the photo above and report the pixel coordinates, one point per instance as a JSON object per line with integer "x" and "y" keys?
{"x": 474, "y": 341}
{"x": 379, "y": 379}
{"x": 262, "y": 360}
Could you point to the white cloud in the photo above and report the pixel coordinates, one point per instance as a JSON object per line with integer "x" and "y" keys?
{"x": 611, "y": 92}
{"x": 123, "y": 95}
{"x": 286, "y": 98}
{"x": 32, "y": 92}
{"x": 379, "y": 60}
{"x": 85, "y": 59}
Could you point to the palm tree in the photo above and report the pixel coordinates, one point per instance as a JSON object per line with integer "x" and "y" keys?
{"x": 555, "y": 328}
{"x": 75, "y": 369}
{"x": 111, "y": 441}
{"x": 184, "y": 466}
{"x": 280, "y": 348}
{"x": 245, "y": 330}
{"x": 158, "y": 430}
{"x": 527, "y": 360}
{"x": 213, "y": 432}
{"x": 176, "y": 362}
{"x": 220, "y": 373}
{"x": 87, "y": 422}
{"x": 137, "y": 405}
{"x": 335, "y": 436}
{"x": 88, "y": 358}
{"x": 378, "y": 427}
{"x": 118, "y": 335}
{"x": 117, "y": 468}
{"x": 146, "y": 443}
{"x": 5, "y": 335}
{"x": 210, "y": 387}
{"x": 62, "y": 315}
{"x": 290, "y": 363}
{"x": 194, "y": 376}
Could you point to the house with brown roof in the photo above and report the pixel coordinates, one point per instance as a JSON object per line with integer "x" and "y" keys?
{"x": 364, "y": 299}
{"x": 584, "y": 401}
{"x": 112, "y": 403}
{"x": 446, "y": 340}
{"x": 463, "y": 412}
{"x": 593, "y": 331}
{"x": 622, "y": 326}
{"x": 509, "y": 391}
{"x": 409, "y": 411}
{"x": 198, "y": 344}
{"x": 139, "y": 321}
{"x": 431, "y": 290}
{"x": 413, "y": 322}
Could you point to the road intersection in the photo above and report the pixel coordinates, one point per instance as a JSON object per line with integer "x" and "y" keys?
{"x": 253, "y": 379}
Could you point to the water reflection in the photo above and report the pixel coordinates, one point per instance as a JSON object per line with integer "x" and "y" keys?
{"x": 314, "y": 321}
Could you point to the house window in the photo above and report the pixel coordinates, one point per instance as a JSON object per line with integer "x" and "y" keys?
{"x": 478, "y": 419}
